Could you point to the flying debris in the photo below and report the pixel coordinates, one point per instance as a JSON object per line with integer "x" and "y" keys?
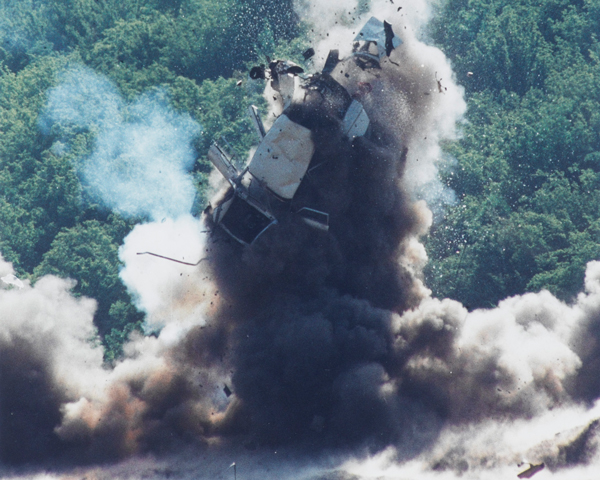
{"x": 12, "y": 280}
{"x": 258, "y": 73}
{"x": 171, "y": 259}
{"x": 281, "y": 73}
{"x": 333, "y": 58}
{"x": 227, "y": 391}
{"x": 375, "y": 41}
{"x": 441, "y": 88}
{"x": 266, "y": 187}
{"x": 531, "y": 471}
{"x": 308, "y": 53}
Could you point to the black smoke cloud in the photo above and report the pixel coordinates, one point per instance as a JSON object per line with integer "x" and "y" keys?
{"x": 313, "y": 341}
{"x": 29, "y": 404}
{"x": 299, "y": 325}
{"x": 311, "y": 312}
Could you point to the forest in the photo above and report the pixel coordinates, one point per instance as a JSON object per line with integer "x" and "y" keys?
{"x": 525, "y": 171}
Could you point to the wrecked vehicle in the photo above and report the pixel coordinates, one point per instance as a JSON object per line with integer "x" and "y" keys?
{"x": 267, "y": 185}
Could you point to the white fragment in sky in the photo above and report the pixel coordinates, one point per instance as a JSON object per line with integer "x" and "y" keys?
{"x": 12, "y": 280}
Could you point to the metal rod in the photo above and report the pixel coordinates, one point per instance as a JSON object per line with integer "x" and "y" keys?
{"x": 172, "y": 259}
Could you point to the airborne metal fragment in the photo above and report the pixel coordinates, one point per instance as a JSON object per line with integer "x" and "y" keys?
{"x": 531, "y": 471}
{"x": 12, "y": 280}
{"x": 308, "y": 53}
{"x": 375, "y": 41}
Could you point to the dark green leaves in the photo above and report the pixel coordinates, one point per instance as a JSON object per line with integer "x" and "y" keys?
{"x": 527, "y": 174}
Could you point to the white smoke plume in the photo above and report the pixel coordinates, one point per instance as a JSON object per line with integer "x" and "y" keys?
{"x": 143, "y": 150}
{"x": 516, "y": 382}
{"x": 44, "y": 334}
{"x": 161, "y": 288}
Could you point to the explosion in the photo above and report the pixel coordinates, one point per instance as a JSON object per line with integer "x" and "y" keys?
{"x": 325, "y": 346}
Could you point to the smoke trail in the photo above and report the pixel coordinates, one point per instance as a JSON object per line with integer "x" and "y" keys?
{"x": 143, "y": 150}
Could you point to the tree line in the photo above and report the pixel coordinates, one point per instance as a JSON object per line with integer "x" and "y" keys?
{"x": 527, "y": 173}
{"x": 527, "y": 170}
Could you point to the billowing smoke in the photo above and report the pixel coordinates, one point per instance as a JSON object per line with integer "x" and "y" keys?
{"x": 142, "y": 152}
{"x": 44, "y": 331}
{"x": 309, "y": 354}
{"x": 314, "y": 355}
{"x": 426, "y": 104}
{"x": 58, "y": 403}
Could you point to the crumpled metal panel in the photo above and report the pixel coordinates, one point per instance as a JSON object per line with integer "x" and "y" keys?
{"x": 286, "y": 86}
{"x": 219, "y": 159}
{"x": 374, "y": 31}
{"x": 282, "y": 158}
{"x": 356, "y": 121}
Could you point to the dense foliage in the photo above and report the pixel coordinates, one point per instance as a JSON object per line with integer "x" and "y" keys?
{"x": 528, "y": 165}
{"x": 527, "y": 172}
{"x": 194, "y": 50}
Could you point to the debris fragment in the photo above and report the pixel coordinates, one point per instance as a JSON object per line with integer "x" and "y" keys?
{"x": 333, "y": 58}
{"x": 373, "y": 42}
{"x": 308, "y": 53}
{"x": 258, "y": 73}
{"x": 12, "y": 280}
{"x": 531, "y": 471}
{"x": 282, "y": 73}
{"x": 256, "y": 121}
{"x": 441, "y": 88}
{"x": 228, "y": 392}
{"x": 170, "y": 259}
{"x": 389, "y": 38}
{"x": 315, "y": 218}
